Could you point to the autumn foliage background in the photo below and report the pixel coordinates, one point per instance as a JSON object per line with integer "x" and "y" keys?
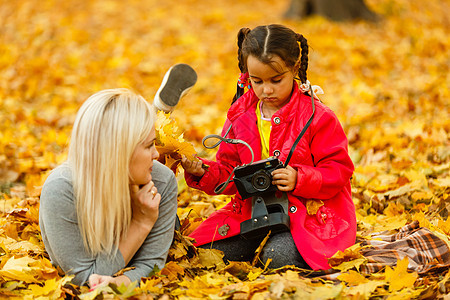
{"x": 388, "y": 83}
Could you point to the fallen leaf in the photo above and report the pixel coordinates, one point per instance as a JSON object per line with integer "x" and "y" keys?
{"x": 398, "y": 277}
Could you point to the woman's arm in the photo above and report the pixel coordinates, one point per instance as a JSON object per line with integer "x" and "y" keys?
{"x": 155, "y": 247}
{"x": 145, "y": 203}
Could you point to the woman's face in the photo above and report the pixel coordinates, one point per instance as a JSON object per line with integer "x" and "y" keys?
{"x": 272, "y": 87}
{"x": 142, "y": 160}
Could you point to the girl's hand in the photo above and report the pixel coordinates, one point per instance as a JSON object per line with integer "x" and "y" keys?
{"x": 193, "y": 167}
{"x": 96, "y": 281}
{"x": 285, "y": 178}
{"x": 145, "y": 204}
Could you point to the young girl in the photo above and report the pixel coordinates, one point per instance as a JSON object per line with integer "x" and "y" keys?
{"x": 269, "y": 117}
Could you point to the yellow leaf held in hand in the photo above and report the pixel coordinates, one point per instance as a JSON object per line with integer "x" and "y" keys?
{"x": 170, "y": 143}
{"x": 398, "y": 277}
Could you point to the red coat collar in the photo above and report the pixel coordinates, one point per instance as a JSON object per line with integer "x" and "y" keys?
{"x": 249, "y": 101}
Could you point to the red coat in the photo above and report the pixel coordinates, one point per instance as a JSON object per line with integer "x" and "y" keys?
{"x": 324, "y": 170}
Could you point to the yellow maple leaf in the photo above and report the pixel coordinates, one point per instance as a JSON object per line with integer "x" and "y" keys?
{"x": 417, "y": 178}
{"x": 364, "y": 290}
{"x": 352, "y": 278}
{"x": 325, "y": 292}
{"x": 423, "y": 221}
{"x": 19, "y": 269}
{"x": 44, "y": 269}
{"x": 445, "y": 226}
{"x": 50, "y": 286}
{"x": 354, "y": 263}
{"x": 238, "y": 268}
{"x": 170, "y": 142}
{"x": 312, "y": 206}
{"x": 152, "y": 285}
{"x": 211, "y": 258}
{"x": 348, "y": 255}
{"x": 394, "y": 209}
{"x": 398, "y": 277}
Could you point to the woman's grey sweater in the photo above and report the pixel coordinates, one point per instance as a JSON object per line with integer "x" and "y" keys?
{"x": 63, "y": 241}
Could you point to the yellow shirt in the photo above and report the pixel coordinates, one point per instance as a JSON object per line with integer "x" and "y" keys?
{"x": 264, "y": 128}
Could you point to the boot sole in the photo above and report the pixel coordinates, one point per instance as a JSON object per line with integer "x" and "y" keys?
{"x": 176, "y": 82}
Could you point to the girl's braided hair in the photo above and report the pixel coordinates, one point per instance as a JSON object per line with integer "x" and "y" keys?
{"x": 263, "y": 42}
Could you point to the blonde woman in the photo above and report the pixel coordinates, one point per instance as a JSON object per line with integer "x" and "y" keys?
{"x": 111, "y": 205}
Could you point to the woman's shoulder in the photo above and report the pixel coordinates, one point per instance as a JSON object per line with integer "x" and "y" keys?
{"x": 60, "y": 173}
{"x": 60, "y": 178}
{"x": 163, "y": 177}
{"x": 160, "y": 172}
{"x": 58, "y": 186}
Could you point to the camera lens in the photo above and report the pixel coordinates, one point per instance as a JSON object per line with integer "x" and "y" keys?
{"x": 261, "y": 181}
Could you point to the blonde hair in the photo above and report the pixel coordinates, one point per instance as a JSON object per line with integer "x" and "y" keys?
{"x": 107, "y": 129}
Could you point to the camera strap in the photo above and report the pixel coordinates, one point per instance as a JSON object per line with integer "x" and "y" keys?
{"x": 221, "y": 187}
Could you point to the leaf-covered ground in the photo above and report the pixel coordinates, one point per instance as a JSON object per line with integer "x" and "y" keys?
{"x": 387, "y": 82}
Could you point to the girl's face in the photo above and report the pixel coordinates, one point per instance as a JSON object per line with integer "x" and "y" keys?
{"x": 142, "y": 160}
{"x": 272, "y": 87}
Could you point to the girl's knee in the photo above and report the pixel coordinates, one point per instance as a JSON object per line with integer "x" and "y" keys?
{"x": 282, "y": 250}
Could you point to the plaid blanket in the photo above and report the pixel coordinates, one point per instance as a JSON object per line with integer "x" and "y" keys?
{"x": 424, "y": 249}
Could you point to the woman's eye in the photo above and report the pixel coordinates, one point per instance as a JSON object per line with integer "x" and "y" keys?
{"x": 256, "y": 81}
{"x": 276, "y": 80}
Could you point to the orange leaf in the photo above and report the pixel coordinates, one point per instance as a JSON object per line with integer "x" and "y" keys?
{"x": 172, "y": 270}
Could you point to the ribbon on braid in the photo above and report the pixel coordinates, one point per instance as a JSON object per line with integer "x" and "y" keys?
{"x": 304, "y": 87}
{"x": 243, "y": 81}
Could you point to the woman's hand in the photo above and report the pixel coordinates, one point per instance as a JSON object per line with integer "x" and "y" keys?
{"x": 193, "y": 167}
{"x": 96, "y": 281}
{"x": 285, "y": 178}
{"x": 145, "y": 204}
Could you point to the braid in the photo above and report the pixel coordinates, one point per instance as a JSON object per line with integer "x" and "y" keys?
{"x": 240, "y": 39}
{"x": 241, "y": 63}
{"x": 304, "y": 57}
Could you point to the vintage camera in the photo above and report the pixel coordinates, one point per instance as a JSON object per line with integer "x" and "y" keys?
{"x": 269, "y": 206}
{"x": 255, "y": 179}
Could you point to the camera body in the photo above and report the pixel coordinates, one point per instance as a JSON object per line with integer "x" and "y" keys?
{"x": 255, "y": 179}
{"x": 269, "y": 208}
